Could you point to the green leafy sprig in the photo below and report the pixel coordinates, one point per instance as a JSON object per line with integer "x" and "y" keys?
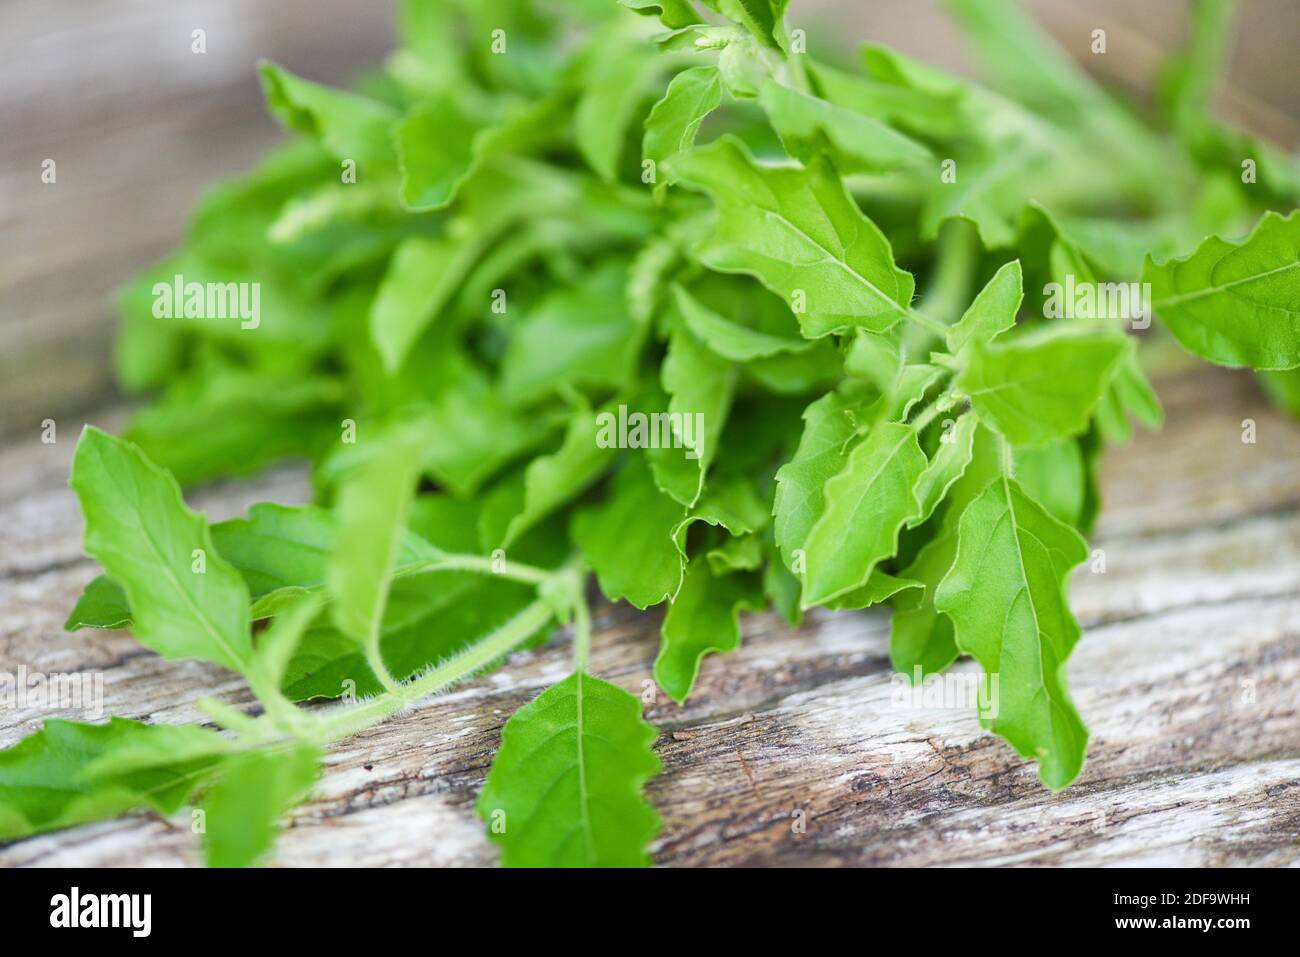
{"x": 504, "y": 279}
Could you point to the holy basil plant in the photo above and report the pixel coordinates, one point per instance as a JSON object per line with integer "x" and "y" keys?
{"x": 670, "y": 297}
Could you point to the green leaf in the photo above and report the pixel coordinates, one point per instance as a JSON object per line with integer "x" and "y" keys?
{"x": 282, "y": 312}
{"x": 565, "y": 787}
{"x": 426, "y": 620}
{"x": 294, "y": 220}
{"x": 277, "y": 645}
{"x": 700, "y": 388}
{"x": 798, "y": 373}
{"x": 741, "y": 62}
{"x": 101, "y": 605}
{"x": 1041, "y": 387}
{"x": 1236, "y": 304}
{"x": 896, "y": 91}
{"x": 1188, "y": 78}
{"x": 731, "y": 504}
{"x": 914, "y": 380}
{"x": 427, "y": 29}
{"x": 703, "y": 618}
{"x": 227, "y": 422}
{"x": 445, "y": 141}
{"x": 802, "y": 236}
{"x": 438, "y": 146}
{"x": 350, "y": 126}
{"x": 809, "y": 126}
{"x": 431, "y": 616}
{"x": 822, "y": 452}
{"x": 320, "y": 214}
{"x": 281, "y": 552}
{"x": 1055, "y": 477}
{"x": 1128, "y": 385}
{"x": 372, "y": 505}
{"x": 422, "y": 277}
{"x": 730, "y": 339}
{"x": 1135, "y": 392}
{"x": 146, "y": 352}
{"x": 1116, "y": 248}
{"x": 614, "y": 82}
{"x": 988, "y": 191}
{"x": 781, "y": 587}
{"x": 878, "y": 359}
{"x": 185, "y": 749}
{"x": 921, "y": 637}
{"x": 628, "y": 538}
{"x": 575, "y": 337}
{"x": 549, "y": 481}
{"x": 188, "y": 602}
{"x": 866, "y": 505}
{"x": 46, "y": 781}
{"x": 763, "y": 18}
{"x": 647, "y": 276}
{"x": 1218, "y": 147}
{"x": 241, "y": 812}
{"x": 675, "y": 120}
{"x": 1111, "y": 423}
{"x": 1006, "y": 596}
{"x": 879, "y": 587}
{"x": 993, "y": 311}
{"x": 946, "y": 465}
{"x": 472, "y": 431}
{"x": 739, "y": 553}
{"x": 674, "y": 14}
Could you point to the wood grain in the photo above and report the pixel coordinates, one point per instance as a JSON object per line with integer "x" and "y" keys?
{"x": 1187, "y": 675}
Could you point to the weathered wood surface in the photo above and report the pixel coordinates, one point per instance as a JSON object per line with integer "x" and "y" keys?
{"x": 1188, "y": 675}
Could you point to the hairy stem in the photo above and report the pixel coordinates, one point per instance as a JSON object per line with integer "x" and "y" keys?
{"x": 375, "y": 661}
{"x": 285, "y": 721}
{"x": 348, "y": 720}
{"x": 942, "y": 402}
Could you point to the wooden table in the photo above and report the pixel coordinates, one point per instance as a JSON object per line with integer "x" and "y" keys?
{"x": 1188, "y": 673}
